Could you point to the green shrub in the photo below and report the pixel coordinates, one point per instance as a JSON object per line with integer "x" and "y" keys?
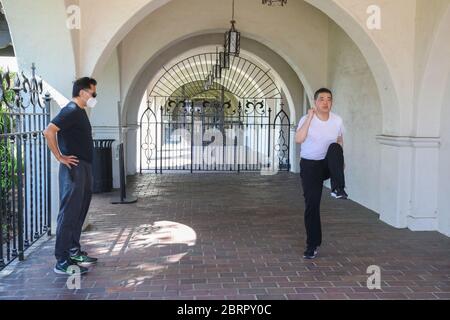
{"x": 7, "y": 172}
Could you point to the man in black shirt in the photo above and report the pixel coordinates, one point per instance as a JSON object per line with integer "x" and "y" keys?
{"x": 69, "y": 137}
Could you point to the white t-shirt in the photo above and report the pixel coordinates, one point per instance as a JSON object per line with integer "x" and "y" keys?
{"x": 320, "y": 136}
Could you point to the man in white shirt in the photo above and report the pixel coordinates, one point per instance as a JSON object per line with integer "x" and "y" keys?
{"x": 320, "y": 134}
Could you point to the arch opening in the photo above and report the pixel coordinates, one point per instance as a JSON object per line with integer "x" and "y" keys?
{"x": 240, "y": 117}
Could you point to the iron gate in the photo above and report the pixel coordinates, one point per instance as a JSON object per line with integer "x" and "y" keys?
{"x": 24, "y": 165}
{"x": 207, "y": 135}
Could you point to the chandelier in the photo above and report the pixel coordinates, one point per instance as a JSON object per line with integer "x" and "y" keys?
{"x": 274, "y": 2}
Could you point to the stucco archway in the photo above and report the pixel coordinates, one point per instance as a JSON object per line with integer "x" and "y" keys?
{"x": 291, "y": 86}
{"x": 344, "y": 18}
{"x": 290, "y": 83}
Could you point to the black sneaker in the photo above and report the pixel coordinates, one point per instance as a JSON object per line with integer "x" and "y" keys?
{"x": 83, "y": 258}
{"x": 310, "y": 253}
{"x": 69, "y": 268}
{"x": 339, "y": 194}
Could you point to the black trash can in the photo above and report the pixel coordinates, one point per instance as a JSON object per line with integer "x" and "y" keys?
{"x": 102, "y": 166}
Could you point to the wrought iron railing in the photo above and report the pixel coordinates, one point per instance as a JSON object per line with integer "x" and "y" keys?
{"x": 25, "y": 213}
{"x": 207, "y": 135}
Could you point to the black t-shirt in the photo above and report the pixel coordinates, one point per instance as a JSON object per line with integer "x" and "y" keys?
{"x": 75, "y": 136}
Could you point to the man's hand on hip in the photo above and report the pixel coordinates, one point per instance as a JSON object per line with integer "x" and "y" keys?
{"x": 68, "y": 161}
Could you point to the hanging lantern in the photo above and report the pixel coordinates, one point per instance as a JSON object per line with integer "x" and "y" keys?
{"x": 224, "y": 60}
{"x": 217, "y": 67}
{"x": 217, "y": 71}
{"x": 232, "y": 39}
{"x": 210, "y": 81}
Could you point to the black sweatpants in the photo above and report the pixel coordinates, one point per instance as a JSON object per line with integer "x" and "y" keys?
{"x": 75, "y": 193}
{"x": 313, "y": 174}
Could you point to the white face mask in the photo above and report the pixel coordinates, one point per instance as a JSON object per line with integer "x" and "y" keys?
{"x": 91, "y": 103}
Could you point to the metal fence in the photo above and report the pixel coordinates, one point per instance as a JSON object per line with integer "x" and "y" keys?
{"x": 208, "y": 135}
{"x": 25, "y": 213}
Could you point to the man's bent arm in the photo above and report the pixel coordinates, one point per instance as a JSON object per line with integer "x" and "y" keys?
{"x": 50, "y": 134}
{"x": 302, "y": 133}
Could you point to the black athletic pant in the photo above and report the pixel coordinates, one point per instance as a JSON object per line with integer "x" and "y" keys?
{"x": 75, "y": 189}
{"x": 313, "y": 174}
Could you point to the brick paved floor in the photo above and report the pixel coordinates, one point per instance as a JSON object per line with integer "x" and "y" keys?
{"x": 229, "y": 236}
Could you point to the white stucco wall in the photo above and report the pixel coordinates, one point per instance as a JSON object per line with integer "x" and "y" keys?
{"x": 39, "y": 35}
{"x": 104, "y": 24}
{"x": 444, "y": 167}
{"x": 104, "y": 117}
{"x": 432, "y": 54}
{"x": 387, "y": 51}
{"x": 357, "y": 101}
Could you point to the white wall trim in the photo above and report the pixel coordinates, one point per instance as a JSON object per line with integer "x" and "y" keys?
{"x": 415, "y": 142}
{"x": 416, "y": 155}
{"x": 106, "y": 130}
{"x": 422, "y": 223}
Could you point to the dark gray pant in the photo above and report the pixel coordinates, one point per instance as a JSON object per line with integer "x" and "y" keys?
{"x": 75, "y": 193}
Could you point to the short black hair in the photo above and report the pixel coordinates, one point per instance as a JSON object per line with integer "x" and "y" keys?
{"x": 322, "y": 90}
{"x": 82, "y": 84}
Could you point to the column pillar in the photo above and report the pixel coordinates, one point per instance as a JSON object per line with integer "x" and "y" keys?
{"x": 409, "y": 182}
